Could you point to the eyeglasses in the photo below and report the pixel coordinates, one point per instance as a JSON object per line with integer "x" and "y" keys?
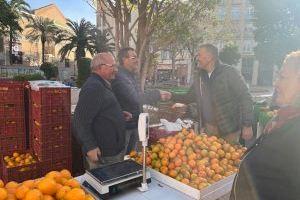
{"x": 109, "y": 65}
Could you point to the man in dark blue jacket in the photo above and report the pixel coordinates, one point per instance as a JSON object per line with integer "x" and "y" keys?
{"x": 127, "y": 90}
{"x": 98, "y": 119}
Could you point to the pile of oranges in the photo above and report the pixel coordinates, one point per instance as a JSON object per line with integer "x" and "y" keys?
{"x": 196, "y": 160}
{"x": 55, "y": 185}
{"x": 18, "y": 159}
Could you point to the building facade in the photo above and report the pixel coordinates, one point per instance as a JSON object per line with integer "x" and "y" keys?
{"x": 26, "y": 53}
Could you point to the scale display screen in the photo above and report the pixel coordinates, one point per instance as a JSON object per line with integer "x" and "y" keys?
{"x": 116, "y": 171}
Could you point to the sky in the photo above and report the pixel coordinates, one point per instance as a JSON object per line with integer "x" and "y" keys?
{"x": 73, "y": 9}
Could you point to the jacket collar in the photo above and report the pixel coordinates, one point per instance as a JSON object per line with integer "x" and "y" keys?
{"x": 122, "y": 69}
{"x": 217, "y": 69}
{"x": 103, "y": 81}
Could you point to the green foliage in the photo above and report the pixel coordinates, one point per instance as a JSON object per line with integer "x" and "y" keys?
{"x": 28, "y": 77}
{"x": 84, "y": 70}
{"x": 78, "y": 37}
{"x": 7, "y": 18}
{"x": 230, "y": 55}
{"x": 101, "y": 41}
{"x": 278, "y": 29}
{"x": 43, "y": 30}
{"x": 49, "y": 70}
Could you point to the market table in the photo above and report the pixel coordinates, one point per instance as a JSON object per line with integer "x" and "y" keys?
{"x": 157, "y": 191}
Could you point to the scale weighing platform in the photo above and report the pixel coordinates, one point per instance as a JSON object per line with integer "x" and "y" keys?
{"x": 112, "y": 179}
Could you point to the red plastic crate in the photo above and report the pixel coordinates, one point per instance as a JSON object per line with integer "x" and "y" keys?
{"x": 12, "y": 143}
{"x": 12, "y": 126}
{"x": 50, "y": 111}
{"x": 156, "y": 133}
{"x": 12, "y": 92}
{"x": 52, "y": 151}
{"x": 57, "y": 164}
{"x": 20, "y": 173}
{"x": 52, "y": 125}
{"x": 52, "y": 96}
{"x": 11, "y": 110}
{"x": 51, "y": 138}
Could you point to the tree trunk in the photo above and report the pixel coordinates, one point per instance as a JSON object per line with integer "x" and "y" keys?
{"x": 10, "y": 46}
{"x": 173, "y": 63}
{"x": 43, "y": 52}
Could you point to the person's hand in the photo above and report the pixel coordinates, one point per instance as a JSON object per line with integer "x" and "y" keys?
{"x": 165, "y": 95}
{"x": 127, "y": 115}
{"x": 247, "y": 133}
{"x": 94, "y": 155}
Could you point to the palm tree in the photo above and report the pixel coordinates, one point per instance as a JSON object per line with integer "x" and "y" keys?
{"x": 102, "y": 41}
{"x": 78, "y": 37}
{"x": 44, "y": 30}
{"x": 20, "y": 9}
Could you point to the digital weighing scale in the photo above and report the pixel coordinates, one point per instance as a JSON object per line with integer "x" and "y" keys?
{"x": 112, "y": 179}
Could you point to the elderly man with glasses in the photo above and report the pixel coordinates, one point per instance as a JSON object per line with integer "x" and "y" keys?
{"x": 98, "y": 119}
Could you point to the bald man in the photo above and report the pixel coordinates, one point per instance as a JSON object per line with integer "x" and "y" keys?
{"x": 98, "y": 119}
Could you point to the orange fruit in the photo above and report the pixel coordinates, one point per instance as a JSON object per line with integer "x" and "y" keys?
{"x": 67, "y": 174}
{"x": 3, "y": 194}
{"x": 192, "y": 163}
{"x": 75, "y": 194}
{"x": 89, "y": 197}
{"x": 34, "y": 195}
{"x": 62, "y": 192}
{"x": 11, "y": 184}
{"x": 11, "y": 197}
{"x": 173, "y": 173}
{"x": 47, "y": 186}
{"x": 54, "y": 175}
{"x": 29, "y": 184}
{"x": 163, "y": 169}
{"x": 185, "y": 181}
{"x": 21, "y": 191}
{"x": 48, "y": 197}
{"x": 1, "y": 184}
{"x": 178, "y": 162}
{"x": 73, "y": 183}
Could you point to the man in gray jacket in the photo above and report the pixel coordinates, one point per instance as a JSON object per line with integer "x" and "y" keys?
{"x": 224, "y": 103}
{"x": 127, "y": 90}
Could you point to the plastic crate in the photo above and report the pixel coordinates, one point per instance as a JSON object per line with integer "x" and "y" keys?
{"x": 12, "y": 126}
{"x": 156, "y": 133}
{"x": 12, "y": 92}
{"x": 8, "y": 110}
{"x": 51, "y": 138}
{"x": 20, "y": 173}
{"x": 53, "y": 124}
{"x": 44, "y": 112}
{"x": 12, "y": 143}
{"x": 57, "y": 164}
{"x": 52, "y": 96}
{"x": 52, "y": 151}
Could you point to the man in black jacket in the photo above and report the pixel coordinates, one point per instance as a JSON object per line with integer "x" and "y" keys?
{"x": 225, "y": 105}
{"x": 98, "y": 119}
{"x": 127, "y": 90}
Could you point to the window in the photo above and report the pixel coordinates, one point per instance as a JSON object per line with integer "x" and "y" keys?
{"x": 250, "y": 12}
{"x": 221, "y": 13}
{"x": 235, "y": 12}
{"x": 165, "y": 55}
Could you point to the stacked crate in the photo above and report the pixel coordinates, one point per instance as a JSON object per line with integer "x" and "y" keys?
{"x": 12, "y": 118}
{"x": 50, "y": 127}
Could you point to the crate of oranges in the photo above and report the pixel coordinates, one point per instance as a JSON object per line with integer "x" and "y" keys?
{"x": 55, "y": 185}
{"x": 190, "y": 162}
{"x": 19, "y": 166}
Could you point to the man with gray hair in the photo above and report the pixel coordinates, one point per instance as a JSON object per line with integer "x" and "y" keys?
{"x": 98, "y": 119}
